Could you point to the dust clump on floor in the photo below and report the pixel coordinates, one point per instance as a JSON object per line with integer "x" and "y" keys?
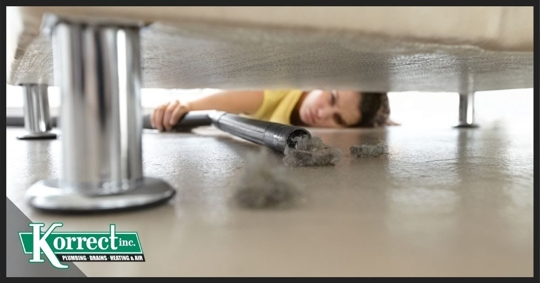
{"x": 367, "y": 150}
{"x": 262, "y": 185}
{"x": 311, "y": 152}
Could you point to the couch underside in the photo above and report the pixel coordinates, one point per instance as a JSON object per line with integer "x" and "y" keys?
{"x": 198, "y": 54}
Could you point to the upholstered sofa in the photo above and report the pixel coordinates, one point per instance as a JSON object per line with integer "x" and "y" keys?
{"x": 450, "y": 49}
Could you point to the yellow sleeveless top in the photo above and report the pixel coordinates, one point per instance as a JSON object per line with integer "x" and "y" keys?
{"x": 277, "y": 106}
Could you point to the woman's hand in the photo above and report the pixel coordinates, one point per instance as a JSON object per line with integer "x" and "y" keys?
{"x": 167, "y": 115}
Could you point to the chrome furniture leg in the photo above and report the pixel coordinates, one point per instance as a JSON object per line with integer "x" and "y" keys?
{"x": 97, "y": 67}
{"x": 466, "y": 111}
{"x": 37, "y": 119}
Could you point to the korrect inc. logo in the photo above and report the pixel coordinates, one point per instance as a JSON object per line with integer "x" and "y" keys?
{"x": 59, "y": 247}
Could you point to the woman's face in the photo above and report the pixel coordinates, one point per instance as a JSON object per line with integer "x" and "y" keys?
{"x": 330, "y": 109}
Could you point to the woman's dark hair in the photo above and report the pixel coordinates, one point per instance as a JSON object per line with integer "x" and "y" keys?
{"x": 375, "y": 109}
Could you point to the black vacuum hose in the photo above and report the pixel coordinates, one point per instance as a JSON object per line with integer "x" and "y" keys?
{"x": 272, "y": 135}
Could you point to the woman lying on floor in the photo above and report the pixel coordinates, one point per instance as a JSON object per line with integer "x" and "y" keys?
{"x": 314, "y": 108}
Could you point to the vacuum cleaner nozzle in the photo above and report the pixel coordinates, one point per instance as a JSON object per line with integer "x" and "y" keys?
{"x": 272, "y": 135}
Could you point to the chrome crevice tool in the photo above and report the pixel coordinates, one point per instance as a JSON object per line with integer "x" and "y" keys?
{"x": 275, "y": 136}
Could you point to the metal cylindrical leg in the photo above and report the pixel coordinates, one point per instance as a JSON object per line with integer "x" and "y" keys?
{"x": 37, "y": 119}
{"x": 97, "y": 68}
{"x": 466, "y": 111}
{"x": 98, "y": 74}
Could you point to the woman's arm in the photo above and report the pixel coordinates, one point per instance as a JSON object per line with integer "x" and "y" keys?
{"x": 235, "y": 102}
{"x": 165, "y": 116}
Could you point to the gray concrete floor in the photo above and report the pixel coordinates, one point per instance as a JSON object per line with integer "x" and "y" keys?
{"x": 445, "y": 202}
